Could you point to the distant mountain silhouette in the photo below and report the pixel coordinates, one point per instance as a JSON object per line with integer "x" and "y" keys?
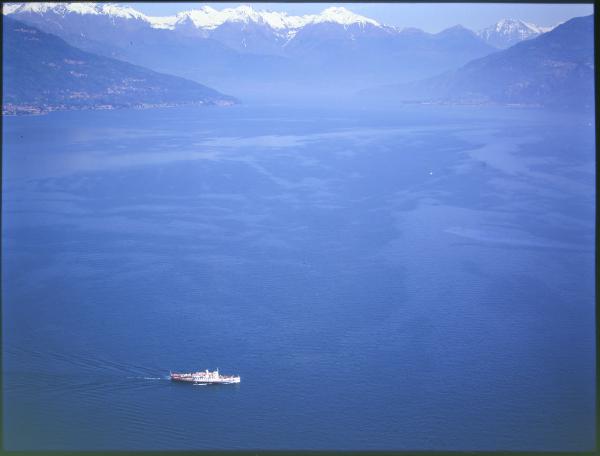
{"x": 554, "y": 69}
{"x": 41, "y": 72}
{"x": 241, "y": 48}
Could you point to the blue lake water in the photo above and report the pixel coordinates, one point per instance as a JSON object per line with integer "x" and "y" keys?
{"x": 414, "y": 278}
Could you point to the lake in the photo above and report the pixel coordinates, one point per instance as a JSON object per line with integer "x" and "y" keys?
{"x": 410, "y": 278}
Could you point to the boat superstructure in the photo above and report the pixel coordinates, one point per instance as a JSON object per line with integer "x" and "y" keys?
{"x": 205, "y": 377}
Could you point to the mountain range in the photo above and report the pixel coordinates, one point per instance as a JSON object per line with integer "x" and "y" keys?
{"x": 337, "y": 48}
{"x": 235, "y": 27}
{"x": 554, "y": 69}
{"x": 271, "y": 55}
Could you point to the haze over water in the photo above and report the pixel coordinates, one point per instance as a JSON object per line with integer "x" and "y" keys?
{"x": 414, "y": 278}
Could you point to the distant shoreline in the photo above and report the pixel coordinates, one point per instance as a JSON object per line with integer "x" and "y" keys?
{"x": 36, "y": 110}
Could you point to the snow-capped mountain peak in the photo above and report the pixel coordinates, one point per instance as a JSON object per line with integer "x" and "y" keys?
{"x": 510, "y": 25}
{"x": 207, "y": 17}
{"x": 507, "y": 32}
{"x": 121, "y": 11}
{"x": 108, "y": 9}
{"x": 210, "y": 18}
{"x": 204, "y": 17}
{"x": 343, "y": 16}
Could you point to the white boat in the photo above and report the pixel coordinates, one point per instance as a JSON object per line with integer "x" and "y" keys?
{"x": 205, "y": 377}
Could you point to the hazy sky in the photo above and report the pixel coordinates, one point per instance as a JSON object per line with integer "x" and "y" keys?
{"x": 430, "y": 17}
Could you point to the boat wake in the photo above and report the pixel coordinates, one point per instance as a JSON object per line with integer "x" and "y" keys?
{"x": 149, "y": 378}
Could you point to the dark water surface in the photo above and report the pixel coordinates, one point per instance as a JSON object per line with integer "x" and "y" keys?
{"x": 412, "y": 279}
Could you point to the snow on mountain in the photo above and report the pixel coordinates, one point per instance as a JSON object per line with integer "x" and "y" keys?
{"x": 10, "y": 8}
{"x": 342, "y": 16}
{"x": 203, "y": 18}
{"x": 210, "y": 18}
{"x": 108, "y": 9}
{"x": 218, "y": 46}
{"x": 164, "y": 22}
{"x": 119, "y": 11}
{"x": 507, "y": 32}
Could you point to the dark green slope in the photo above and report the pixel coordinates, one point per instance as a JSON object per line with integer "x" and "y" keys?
{"x": 41, "y": 72}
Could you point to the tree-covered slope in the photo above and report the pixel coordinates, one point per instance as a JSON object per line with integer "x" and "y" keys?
{"x": 42, "y": 72}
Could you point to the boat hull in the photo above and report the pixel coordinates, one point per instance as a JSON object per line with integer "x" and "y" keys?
{"x": 205, "y": 378}
{"x": 205, "y": 382}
